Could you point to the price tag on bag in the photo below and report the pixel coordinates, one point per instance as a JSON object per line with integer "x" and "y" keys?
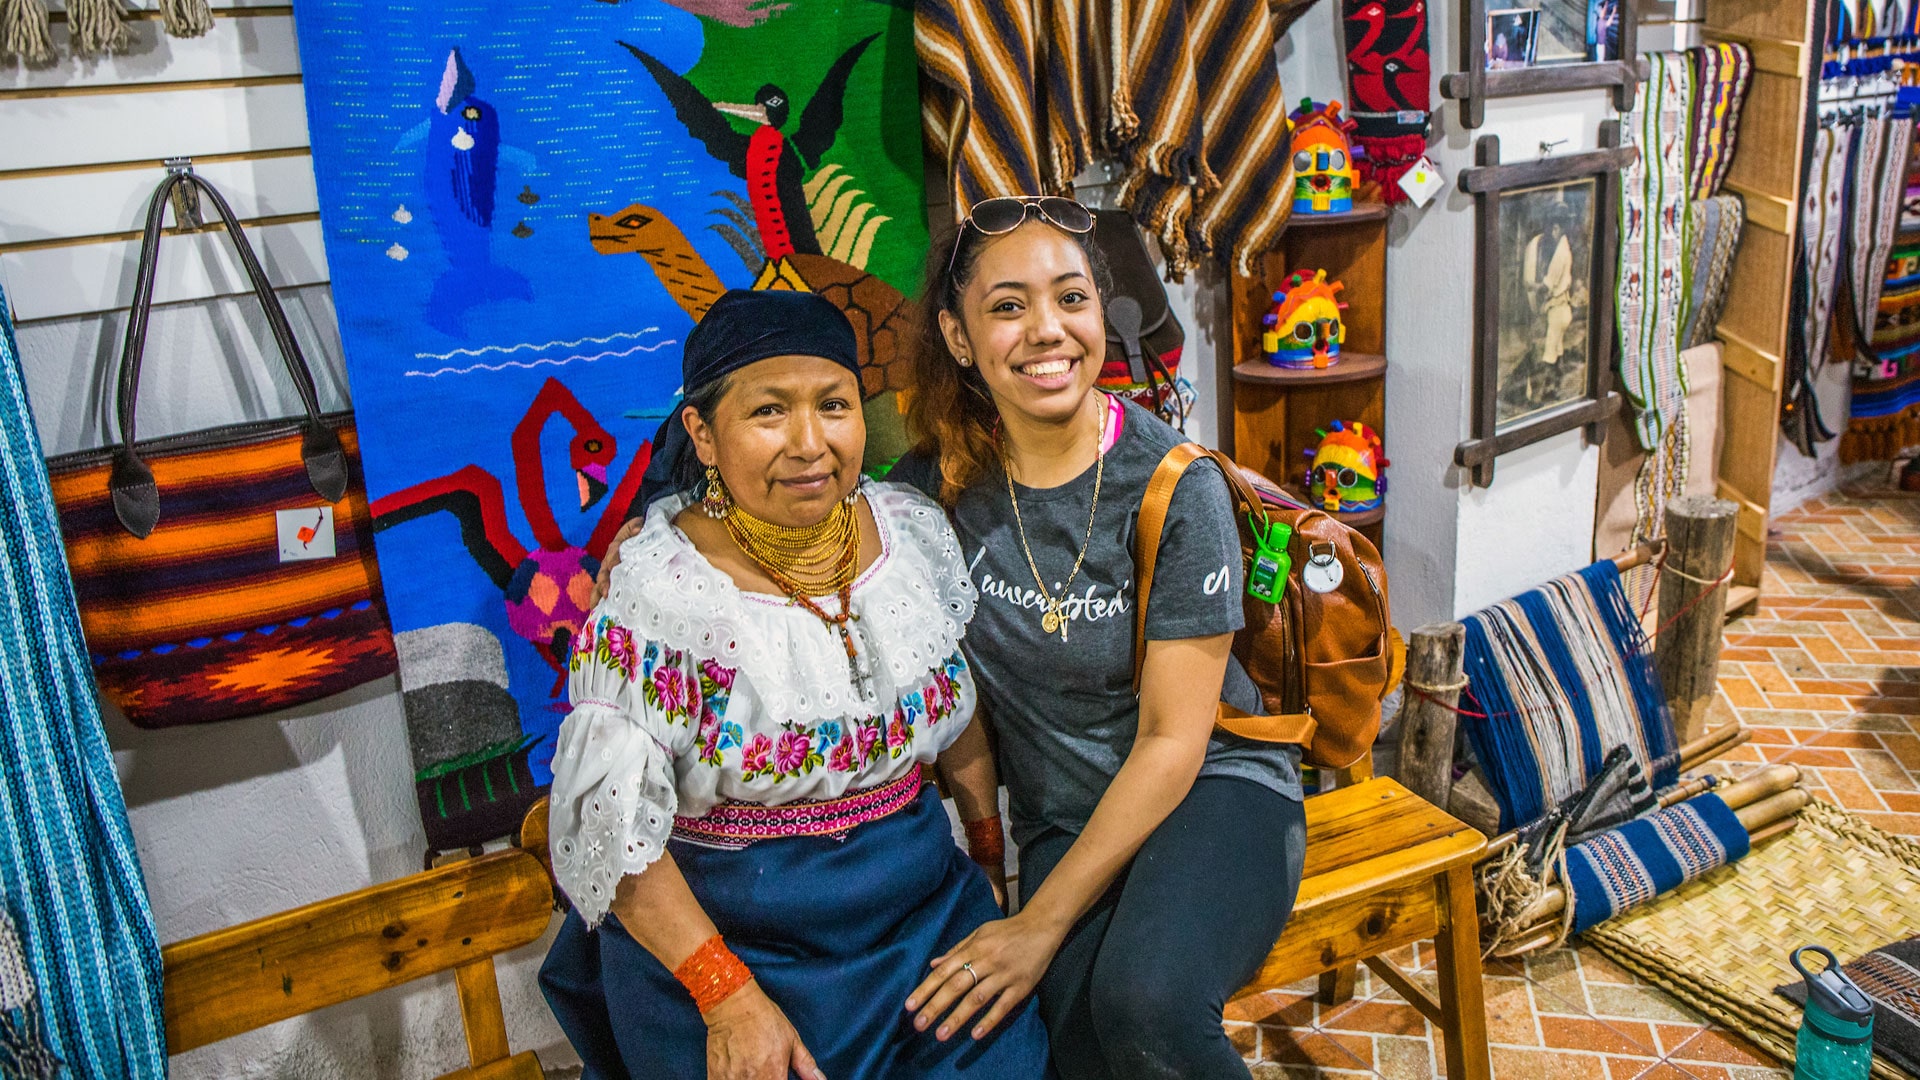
{"x": 1422, "y": 182}
{"x": 305, "y": 534}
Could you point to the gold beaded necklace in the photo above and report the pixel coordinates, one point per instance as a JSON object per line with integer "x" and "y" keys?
{"x": 809, "y": 561}
{"x": 1054, "y": 619}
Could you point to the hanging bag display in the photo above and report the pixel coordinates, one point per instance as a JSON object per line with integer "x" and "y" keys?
{"x": 226, "y": 572}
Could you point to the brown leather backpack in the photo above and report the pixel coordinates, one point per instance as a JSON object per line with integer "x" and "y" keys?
{"x": 1322, "y": 660}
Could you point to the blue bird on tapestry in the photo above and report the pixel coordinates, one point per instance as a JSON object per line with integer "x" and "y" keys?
{"x": 462, "y": 134}
{"x": 772, "y": 163}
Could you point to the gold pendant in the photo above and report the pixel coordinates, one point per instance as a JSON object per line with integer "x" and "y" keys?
{"x": 1050, "y": 623}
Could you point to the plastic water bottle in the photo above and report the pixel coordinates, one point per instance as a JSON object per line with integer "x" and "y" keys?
{"x": 1836, "y": 1029}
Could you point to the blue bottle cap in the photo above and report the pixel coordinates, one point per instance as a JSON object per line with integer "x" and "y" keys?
{"x": 1831, "y": 990}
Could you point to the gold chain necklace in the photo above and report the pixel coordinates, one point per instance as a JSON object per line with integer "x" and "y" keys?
{"x": 810, "y": 561}
{"x": 1053, "y": 619}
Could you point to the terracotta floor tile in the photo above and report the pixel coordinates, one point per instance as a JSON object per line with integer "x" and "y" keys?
{"x": 1845, "y": 739}
{"x": 1672, "y": 1037}
{"x": 1907, "y": 706}
{"x": 1608, "y": 1037}
{"x": 1839, "y": 688}
{"x": 1816, "y": 756}
{"x": 1883, "y": 771}
{"x": 1274, "y": 1007}
{"x": 1398, "y": 1058}
{"x": 1772, "y": 735}
{"x": 1374, "y": 1017}
{"x": 1771, "y": 679}
{"x": 1823, "y": 650}
{"x": 1720, "y": 1045}
{"x": 1639, "y": 1003}
{"x": 1742, "y": 693}
{"x": 1286, "y": 1046}
{"x": 1810, "y": 702}
{"x": 1356, "y": 1046}
{"x": 1850, "y": 791}
{"x": 1902, "y": 802}
{"x": 1901, "y": 824}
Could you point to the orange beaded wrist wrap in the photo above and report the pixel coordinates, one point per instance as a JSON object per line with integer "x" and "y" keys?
{"x": 712, "y": 973}
{"x": 986, "y": 844}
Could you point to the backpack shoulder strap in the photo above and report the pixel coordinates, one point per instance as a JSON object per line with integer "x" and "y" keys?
{"x": 1153, "y": 519}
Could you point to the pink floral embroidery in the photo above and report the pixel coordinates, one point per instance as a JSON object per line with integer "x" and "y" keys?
{"x": 869, "y": 741}
{"x": 721, "y": 676}
{"x": 841, "y": 760}
{"x": 791, "y": 754}
{"x": 753, "y": 759}
{"x": 897, "y": 733}
{"x": 709, "y": 738}
{"x": 621, "y": 652}
{"x": 670, "y": 683}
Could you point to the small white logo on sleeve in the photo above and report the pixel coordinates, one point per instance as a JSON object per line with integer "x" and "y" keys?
{"x": 1217, "y": 581}
{"x": 305, "y": 534}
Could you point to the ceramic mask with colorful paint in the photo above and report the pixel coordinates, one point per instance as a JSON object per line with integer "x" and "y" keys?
{"x": 1349, "y": 468}
{"x": 1323, "y": 174}
{"x": 1304, "y": 329}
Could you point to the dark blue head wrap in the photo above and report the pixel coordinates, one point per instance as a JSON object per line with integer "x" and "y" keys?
{"x": 744, "y": 327}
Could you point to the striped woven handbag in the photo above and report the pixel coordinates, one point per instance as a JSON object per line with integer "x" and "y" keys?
{"x": 225, "y": 572}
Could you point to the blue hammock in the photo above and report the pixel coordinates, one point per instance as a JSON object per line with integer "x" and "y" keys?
{"x": 67, "y": 866}
{"x": 1563, "y": 674}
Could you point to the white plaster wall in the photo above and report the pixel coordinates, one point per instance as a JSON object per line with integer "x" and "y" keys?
{"x": 240, "y": 820}
{"x": 1796, "y": 477}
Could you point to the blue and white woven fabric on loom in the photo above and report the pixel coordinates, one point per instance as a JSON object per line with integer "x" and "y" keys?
{"x": 1563, "y": 674}
{"x": 1640, "y": 860}
{"x": 70, "y": 878}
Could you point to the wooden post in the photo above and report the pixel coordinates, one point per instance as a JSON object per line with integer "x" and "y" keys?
{"x": 1427, "y": 720}
{"x": 1700, "y": 532}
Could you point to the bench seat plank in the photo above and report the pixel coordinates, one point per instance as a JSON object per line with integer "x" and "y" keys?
{"x": 247, "y": 976}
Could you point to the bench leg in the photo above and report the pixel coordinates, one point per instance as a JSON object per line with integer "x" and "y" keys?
{"x": 1336, "y": 986}
{"x": 1458, "y": 961}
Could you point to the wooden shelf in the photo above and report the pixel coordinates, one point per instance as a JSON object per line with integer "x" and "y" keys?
{"x": 1351, "y": 367}
{"x": 1371, "y": 211}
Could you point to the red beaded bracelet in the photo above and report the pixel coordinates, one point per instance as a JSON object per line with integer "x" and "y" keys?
{"x": 986, "y": 844}
{"x": 712, "y": 973}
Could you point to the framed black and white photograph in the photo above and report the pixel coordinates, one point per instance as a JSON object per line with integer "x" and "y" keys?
{"x": 1560, "y": 36}
{"x": 1510, "y": 38}
{"x": 1544, "y": 264}
{"x": 1546, "y": 297}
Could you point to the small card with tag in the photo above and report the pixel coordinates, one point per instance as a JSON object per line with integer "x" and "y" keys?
{"x": 305, "y": 534}
{"x": 1422, "y": 182}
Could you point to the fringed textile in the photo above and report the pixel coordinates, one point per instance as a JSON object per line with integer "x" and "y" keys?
{"x": 68, "y": 872}
{"x": 1652, "y": 295}
{"x": 1183, "y": 92}
{"x": 1822, "y": 215}
{"x": 1642, "y": 859}
{"x": 1721, "y": 74}
{"x": 983, "y": 60}
{"x": 1563, "y": 674}
{"x": 1886, "y": 372}
{"x": 25, "y": 31}
{"x": 1208, "y": 167}
{"x": 1715, "y": 226}
{"x": 1389, "y": 88}
{"x": 96, "y": 26}
{"x": 1875, "y": 182}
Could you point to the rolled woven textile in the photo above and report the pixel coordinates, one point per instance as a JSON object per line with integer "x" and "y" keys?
{"x": 1642, "y": 859}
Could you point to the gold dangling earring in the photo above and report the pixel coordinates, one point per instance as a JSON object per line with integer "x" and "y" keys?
{"x": 715, "y": 502}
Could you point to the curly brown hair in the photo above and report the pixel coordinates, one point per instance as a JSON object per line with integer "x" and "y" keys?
{"x": 951, "y": 416}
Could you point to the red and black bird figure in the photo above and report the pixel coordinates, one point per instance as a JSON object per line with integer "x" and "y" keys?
{"x": 772, "y": 163}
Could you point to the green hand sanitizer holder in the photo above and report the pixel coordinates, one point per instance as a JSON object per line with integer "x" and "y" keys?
{"x": 1267, "y": 575}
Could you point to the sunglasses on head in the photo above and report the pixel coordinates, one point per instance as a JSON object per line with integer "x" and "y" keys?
{"x": 1003, "y": 214}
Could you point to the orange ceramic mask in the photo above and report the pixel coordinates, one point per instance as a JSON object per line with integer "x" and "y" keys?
{"x": 1304, "y": 329}
{"x": 1323, "y": 175}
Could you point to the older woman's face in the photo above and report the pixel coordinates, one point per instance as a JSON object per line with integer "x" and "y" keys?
{"x": 787, "y": 437}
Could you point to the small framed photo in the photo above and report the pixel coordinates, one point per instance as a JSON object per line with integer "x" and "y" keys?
{"x": 1560, "y": 35}
{"x": 1512, "y": 36}
{"x": 1603, "y": 30}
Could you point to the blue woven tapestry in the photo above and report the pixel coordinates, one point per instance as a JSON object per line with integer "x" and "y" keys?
{"x": 70, "y": 878}
{"x": 1562, "y": 675}
{"x": 526, "y": 208}
{"x": 1640, "y": 860}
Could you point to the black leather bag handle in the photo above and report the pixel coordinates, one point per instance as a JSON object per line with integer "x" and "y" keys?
{"x": 136, "y": 498}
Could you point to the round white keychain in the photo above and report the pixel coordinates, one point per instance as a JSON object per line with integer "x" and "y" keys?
{"x": 1323, "y": 572}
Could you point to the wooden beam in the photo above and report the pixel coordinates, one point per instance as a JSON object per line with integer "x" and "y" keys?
{"x": 135, "y": 234}
{"x": 1741, "y": 357}
{"x": 26, "y": 93}
{"x": 1687, "y": 654}
{"x": 1753, "y": 516}
{"x": 1427, "y": 720}
{"x": 1766, "y": 211}
{"x": 150, "y": 163}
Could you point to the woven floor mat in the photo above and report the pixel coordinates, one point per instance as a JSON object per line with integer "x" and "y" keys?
{"x": 1720, "y": 943}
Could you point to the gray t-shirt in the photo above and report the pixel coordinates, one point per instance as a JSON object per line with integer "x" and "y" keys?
{"x": 1064, "y": 711}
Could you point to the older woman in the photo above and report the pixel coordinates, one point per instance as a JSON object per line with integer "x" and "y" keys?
{"x": 758, "y": 874}
{"x": 1159, "y": 859}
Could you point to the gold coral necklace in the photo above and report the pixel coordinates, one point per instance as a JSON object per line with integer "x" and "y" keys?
{"x": 1053, "y": 620}
{"x": 808, "y": 561}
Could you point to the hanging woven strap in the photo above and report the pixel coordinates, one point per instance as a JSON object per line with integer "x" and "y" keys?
{"x": 1297, "y": 728}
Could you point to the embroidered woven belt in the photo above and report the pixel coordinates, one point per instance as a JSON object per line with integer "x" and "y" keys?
{"x": 737, "y": 824}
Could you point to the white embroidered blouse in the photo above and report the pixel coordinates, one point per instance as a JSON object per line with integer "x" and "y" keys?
{"x": 688, "y": 691}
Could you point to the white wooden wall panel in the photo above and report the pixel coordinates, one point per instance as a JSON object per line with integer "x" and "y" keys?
{"x": 236, "y": 48}
{"x": 91, "y": 129}
{"x": 51, "y": 283}
{"x": 43, "y": 208}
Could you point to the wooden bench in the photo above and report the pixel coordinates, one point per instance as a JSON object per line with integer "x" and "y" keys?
{"x": 1385, "y": 868}
{"x": 458, "y": 916}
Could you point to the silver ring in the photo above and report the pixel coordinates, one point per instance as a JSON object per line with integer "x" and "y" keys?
{"x": 968, "y": 968}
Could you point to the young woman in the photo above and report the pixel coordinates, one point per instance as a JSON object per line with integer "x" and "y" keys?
{"x": 1158, "y": 859}
{"x": 758, "y": 876}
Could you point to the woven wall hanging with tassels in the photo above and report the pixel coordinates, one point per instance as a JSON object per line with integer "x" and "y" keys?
{"x": 94, "y": 27}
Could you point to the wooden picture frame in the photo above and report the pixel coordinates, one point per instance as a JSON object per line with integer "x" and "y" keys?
{"x": 1503, "y": 422}
{"x": 1473, "y": 84}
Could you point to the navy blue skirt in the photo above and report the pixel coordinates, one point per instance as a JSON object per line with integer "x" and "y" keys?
{"x": 837, "y": 932}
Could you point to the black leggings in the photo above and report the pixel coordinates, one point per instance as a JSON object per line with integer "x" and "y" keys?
{"x": 1137, "y": 989}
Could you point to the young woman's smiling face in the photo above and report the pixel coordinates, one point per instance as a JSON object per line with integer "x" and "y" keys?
{"x": 1030, "y": 320}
